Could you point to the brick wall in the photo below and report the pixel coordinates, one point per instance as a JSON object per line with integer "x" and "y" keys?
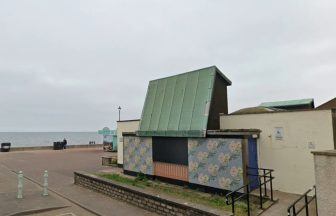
{"x": 136, "y": 197}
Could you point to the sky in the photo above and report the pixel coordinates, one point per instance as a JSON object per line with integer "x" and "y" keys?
{"x": 67, "y": 65}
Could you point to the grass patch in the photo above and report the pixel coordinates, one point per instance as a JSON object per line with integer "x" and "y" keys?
{"x": 189, "y": 195}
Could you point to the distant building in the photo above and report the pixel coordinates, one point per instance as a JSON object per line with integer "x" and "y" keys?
{"x": 255, "y": 110}
{"x": 125, "y": 126}
{"x": 301, "y": 104}
{"x": 328, "y": 105}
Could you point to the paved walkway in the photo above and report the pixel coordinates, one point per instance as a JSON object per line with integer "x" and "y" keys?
{"x": 66, "y": 197}
{"x": 64, "y": 194}
{"x": 284, "y": 200}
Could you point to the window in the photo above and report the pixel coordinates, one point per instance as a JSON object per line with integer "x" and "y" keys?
{"x": 170, "y": 150}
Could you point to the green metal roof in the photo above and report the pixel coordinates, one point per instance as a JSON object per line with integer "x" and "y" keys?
{"x": 179, "y": 105}
{"x": 288, "y": 103}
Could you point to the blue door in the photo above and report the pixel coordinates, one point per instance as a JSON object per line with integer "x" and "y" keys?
{"x": 253, "y": 163}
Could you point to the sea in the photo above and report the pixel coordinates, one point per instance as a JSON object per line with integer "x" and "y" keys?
{"x": 31, "y": 139}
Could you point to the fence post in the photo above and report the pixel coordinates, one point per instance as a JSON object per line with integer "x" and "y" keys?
{"x": 233, "y": 203}
{"x": 316, "y": 201}
{"x": 260, "y": 193}
{"x": 265, "y": 185}
{"x": 20, "y": 185}
{"x": 306, "y": 205}
{"x": 45, "y": 184}
{"x": 271, "y": 185}
{"x": 248, "y": 200}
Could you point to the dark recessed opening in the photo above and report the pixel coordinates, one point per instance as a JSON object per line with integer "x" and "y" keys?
{"x": 170, "y": 150}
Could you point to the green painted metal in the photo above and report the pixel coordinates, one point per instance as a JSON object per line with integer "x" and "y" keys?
{"x": 288, "y": 103}
{"x": 107, "y": 131}
{"x": 179, "y": 105}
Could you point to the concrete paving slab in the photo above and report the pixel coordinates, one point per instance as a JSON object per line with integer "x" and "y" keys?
{"x": 61, "y": 165}
{"x": 32, "y": 196}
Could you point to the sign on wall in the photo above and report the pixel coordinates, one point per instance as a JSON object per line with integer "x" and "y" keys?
{"x": 279, "y": 133}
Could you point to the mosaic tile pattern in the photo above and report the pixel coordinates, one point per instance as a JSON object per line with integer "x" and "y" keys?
{"x": 216, "y": 162}
{"x": 138, "y": 154}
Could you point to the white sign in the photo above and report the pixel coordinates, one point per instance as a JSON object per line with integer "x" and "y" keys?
{"x": 279, "y": 133}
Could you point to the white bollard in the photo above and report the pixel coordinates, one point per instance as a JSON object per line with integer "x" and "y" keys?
{"x": 20, "y": 185}
{"x": 45, "y": 184}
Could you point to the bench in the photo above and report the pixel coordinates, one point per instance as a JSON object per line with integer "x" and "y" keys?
{"x": 109, "y": 160}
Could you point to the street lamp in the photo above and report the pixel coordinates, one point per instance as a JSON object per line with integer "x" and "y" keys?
{"x": 119, "y": 108}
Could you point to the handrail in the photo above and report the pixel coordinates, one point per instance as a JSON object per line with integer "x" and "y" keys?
{"x": 267, "y": 177}
{"x": 234, "y": 199}
{"x": 231, "y": 197}
{"x": 293, "y": 211}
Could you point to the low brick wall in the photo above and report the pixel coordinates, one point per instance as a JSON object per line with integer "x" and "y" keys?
{"x": 136, "y": 197}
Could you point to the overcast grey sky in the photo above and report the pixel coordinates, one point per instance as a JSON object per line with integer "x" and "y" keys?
{"x": 66, "y": 65}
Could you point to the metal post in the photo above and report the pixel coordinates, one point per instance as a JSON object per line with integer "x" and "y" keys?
{"x": 265, "y": 185}
{"x": 45, "y": 184}
{"x": 119, "y": 108}
{"x": 248, "y": 200}
{"x": 316, "y": 201}
{"x": 306, "y": 205}
{"x": 20, "y": 185}
{"x": 271, "y": 185}
{"x": 260, "y": 193}
{"x": 233, "y": 207}
{"x": 294, "y": 211}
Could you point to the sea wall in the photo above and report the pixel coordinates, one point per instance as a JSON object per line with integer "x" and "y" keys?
{"x": 13, "y": 149}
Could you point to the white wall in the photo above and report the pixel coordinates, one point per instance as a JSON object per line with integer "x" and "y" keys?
{"x": 291, "y": 158}
{"x": 125, "y": 126}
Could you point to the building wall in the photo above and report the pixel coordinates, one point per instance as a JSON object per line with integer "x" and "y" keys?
{"x": 290, "y": 157}
{"x": 334, "y": 125}
{"x": 219, "y": 103}
{"x": 138, "y": 155}
{"x": 325, "y": 171}
{"x": 216, "y": 162}
{"x": 125, "y": 126}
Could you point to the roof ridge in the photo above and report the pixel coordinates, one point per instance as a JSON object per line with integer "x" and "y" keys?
{"x": 193, "y": 71}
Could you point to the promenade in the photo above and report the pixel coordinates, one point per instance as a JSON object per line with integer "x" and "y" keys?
{"x": 64, "y": 198}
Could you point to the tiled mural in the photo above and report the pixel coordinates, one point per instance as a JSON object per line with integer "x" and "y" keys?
{"x": 216, "y": 162}
{"x": 138, "y": 154}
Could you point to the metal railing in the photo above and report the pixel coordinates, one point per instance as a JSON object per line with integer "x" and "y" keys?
{"x": 267, "y": 177}
{"x": 293, "y": 210}
{"x": 234, "y": 198}
{"x": 245, "y": 191}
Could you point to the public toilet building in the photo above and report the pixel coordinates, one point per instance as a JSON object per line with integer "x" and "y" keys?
{"x": 179, "y": 137}
{"x": 286, "y": 141}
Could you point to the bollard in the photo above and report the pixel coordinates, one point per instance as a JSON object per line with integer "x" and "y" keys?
{"x": 45, "y": 184}
{"x": 20, "y": 185}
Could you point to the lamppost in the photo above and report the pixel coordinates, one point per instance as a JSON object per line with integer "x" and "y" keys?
{"x": 119, "y": 108}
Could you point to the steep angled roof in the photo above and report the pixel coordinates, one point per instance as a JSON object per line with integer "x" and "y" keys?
{"x": 289, "y": 103}
{"x": 328, "y": 105}
{"x": 179, "y": 105}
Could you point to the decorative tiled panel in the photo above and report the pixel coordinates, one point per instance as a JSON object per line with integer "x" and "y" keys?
{"x": 138, "y": 154}
{"x": 216, "y": 162}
